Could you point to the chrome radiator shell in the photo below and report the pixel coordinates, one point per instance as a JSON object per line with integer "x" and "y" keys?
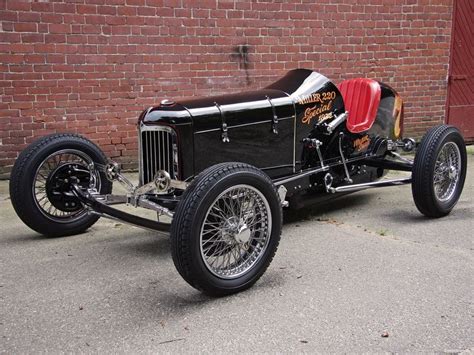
{"x": 158, "y": 150}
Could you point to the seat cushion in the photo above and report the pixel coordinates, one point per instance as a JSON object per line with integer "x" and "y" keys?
{"x": 361, "y": 99}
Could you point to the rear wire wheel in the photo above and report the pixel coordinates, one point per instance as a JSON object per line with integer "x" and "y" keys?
{"x": 226, "y": 229}
{"x": 439, "y": 171}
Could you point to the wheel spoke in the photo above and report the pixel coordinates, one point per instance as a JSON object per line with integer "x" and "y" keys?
{"x": 216, "y": 215}
{"x": 236, "y": 250}
{"x": 227, "y": 200}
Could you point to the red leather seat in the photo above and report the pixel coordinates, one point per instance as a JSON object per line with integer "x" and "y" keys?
{"x": 361, "y": 99}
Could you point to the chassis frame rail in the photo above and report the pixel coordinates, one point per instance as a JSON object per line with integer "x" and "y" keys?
{"x": 104, "y": 210}
{"x": 388, "y": 164}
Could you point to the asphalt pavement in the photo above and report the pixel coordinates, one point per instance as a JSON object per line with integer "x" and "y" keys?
{"x": 364, "y": 273}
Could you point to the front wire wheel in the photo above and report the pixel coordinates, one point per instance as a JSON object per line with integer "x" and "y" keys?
{"x": 226, "y": 228}
{"x": 41, "y": 178}
{"x": 55, "y": 170}
{"x": 236, "y": 231}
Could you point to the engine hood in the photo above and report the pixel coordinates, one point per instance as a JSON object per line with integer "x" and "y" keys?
{"x": 236, "y": 109}
{"x": 282, "y": 99}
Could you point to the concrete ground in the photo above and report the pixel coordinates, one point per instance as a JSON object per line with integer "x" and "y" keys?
{"x": 345, "y": 273}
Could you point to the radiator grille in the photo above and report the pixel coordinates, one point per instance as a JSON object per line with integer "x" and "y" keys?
{"x": 158, "y": 152}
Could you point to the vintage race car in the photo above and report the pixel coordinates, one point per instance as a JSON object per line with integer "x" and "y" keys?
{"x": 223, "y": 168}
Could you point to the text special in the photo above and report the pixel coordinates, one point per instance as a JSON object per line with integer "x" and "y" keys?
{"x": 321, "y": 111}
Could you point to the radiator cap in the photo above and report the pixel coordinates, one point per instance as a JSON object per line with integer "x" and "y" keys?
{"x": 167, "y": 102}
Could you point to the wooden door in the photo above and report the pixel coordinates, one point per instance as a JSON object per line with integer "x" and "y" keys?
{"x": 460, "y": 105}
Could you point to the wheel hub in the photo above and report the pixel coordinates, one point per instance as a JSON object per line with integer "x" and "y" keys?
{"x": 452, "y": 173}
{"x": 59, "y": 186}
{"x": 447, "y": 170}
{"x": 235, "y": 230}
{"x": 243, "y": 235}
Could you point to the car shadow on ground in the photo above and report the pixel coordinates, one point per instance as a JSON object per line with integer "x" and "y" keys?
{"x": 145, "y": 246}
{"x": 319, "y": 209}
{"x": 459, "y": 213}
{"x": 181, "y": 300}
{"x": 29, "y": 236}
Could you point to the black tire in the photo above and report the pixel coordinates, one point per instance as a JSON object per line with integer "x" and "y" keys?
{"x": 191, "y": 214}
{"x": 426, "y": 197}
{"x": 23, "y": 178}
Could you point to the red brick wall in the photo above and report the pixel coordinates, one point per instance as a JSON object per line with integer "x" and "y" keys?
{"x": 92, "y": 66}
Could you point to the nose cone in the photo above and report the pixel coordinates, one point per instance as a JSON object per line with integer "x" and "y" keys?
{"x": 168, "y": 112}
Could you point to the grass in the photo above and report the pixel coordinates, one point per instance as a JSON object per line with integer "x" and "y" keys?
{"x": 382, "y": 232}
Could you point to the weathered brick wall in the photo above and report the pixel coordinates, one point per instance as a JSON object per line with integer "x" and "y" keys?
{"x": 92, "y": 66}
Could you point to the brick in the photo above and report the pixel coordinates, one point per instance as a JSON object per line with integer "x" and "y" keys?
{"x": 19, "y": 6}
{"x": 60, "y": 8}
{"x": 25, "y": 27}
{"x": 59, "y": 28}
{"x": 86, "y": 9}
{"x": 51, "y": 18}
{"x": 42, "y": 6}
{"x": 30, "y": 17}
{"x": 32, "y": 38}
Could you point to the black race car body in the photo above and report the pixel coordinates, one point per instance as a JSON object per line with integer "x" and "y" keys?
{"x": 270, "y": 129}
{"x": 264, "y": 128}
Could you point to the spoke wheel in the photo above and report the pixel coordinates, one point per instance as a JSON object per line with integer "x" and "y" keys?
{"x": 446, "y": 173}
{"x": 236, "y": 231}
{"x": 51, "y": 187}
{"x": 439, "y": 171}
{"x": 40, "y": 184}
{"x": 226, "y": 228}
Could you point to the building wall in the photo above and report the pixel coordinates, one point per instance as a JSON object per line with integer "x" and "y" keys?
{"x": 92, "y": 66}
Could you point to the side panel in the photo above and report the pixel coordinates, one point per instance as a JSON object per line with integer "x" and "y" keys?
{"x": 253, "y": 144}
{"x": 319, "y": 106}
{"x": 317, "y": 101}
{"x": 259, "y": 126}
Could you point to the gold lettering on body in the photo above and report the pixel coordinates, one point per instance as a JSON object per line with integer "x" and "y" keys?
{"x": 317, "y": 110}
{"x": 323, "y": 103}
{"x": 362, "y": 143}
{"x": 316, "y": 97}
{"x": 325, "y": 116}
